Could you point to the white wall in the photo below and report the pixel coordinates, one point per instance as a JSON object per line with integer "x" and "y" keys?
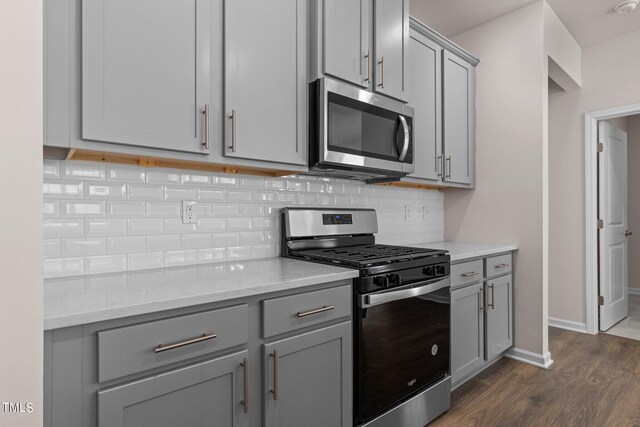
{"x": 21, "y": 130}
{"x": 633, "y": 199}
{"x": 610, "y": 79}
{"x": 103, "y": 218}
{"x": 507, "y": 205}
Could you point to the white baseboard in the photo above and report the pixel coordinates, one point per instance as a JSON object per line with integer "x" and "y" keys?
{"x": 535, "y": 359}
{"x": 633, "y": 291}
{"x": 568, "y": 324}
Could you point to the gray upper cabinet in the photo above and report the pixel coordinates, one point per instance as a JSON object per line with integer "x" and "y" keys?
{"x": 499, "y": 309}
{"x": 265, "y": 82}
{"x": 467, "y": 331}
{"x": 308, "y": 379}
{"x": 424, "y": 76}
{"x": 146, "y": 73}
{"x": 346, "y": 29}
{"x": 459, "y": 119}
{"x": 391, "y": 36}
{"x": 206, "y": 394}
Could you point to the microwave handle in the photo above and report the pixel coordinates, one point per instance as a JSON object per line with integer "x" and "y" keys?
{"x": 405, "y": 147}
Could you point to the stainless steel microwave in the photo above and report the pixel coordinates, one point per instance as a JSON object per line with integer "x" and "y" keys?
{"x": 358, "y": 134}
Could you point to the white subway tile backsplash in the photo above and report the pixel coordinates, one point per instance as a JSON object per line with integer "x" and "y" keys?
{"x": 82, "y": 209}
{"x": 163, "y": 242}
{"x": 107, "y": 218}
{"x": 145, "y": 261}
{"x": 209, "y": 195}
{"x": 74, "y": 247}
{"x": 164, "y": 209}
{"x": 179, "y": 193}
{"x": 196, "y": 241}
{"x": 51, "y": 208}
{"x": 126, "y": 209}
{"x": 82, "y": 170}
{"x": 177, "y": 258}
{"x": 145, "y": 192}
{"x": 105, "y": 264}
{"x": 126, "y": 244}
{"x": 62, "y": 189}
{"x": 122, "y": 173}
{"x": 105, "y": 227}
{"x": 107, "y": 191}
{"x": 53, "y": 228}
{"x": 144, "y": 226}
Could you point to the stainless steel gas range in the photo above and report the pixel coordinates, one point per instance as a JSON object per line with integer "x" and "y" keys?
{"x": 401, "y": 313}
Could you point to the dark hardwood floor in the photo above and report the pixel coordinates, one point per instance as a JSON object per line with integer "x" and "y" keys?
{"x": 594, "y": 381}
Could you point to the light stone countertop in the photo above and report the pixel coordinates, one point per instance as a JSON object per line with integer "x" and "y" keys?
{"x": 460, "y": 251}
{"x": 79, "y": 300}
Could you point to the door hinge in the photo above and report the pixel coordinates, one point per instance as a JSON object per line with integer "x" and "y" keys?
{"x": 600, "y": 300}
{"x": 600, "y": 224}
{"x": 600, "y": 147}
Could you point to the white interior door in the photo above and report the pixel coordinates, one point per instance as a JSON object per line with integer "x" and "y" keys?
{"x": 612, "y": 199}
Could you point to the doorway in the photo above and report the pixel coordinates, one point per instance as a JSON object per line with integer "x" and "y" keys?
{"x": 613, "y": 283}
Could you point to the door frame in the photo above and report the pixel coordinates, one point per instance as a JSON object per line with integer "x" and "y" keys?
{"x": 591, "y": 204}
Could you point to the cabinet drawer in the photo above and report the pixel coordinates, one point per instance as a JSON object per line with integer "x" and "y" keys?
{"x": 132, "y": 349}
{"x": 287, "y": 314}
{"x": 497, "y": 265}
{"x": 466, "y": 272}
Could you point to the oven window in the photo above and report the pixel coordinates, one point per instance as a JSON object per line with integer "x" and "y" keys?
{"x": 362, "y": 129}
{"x": 402, "y": 347}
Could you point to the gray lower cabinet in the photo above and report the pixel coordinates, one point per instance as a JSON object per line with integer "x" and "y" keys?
{"x": 265, "y": 80}
{"x": 391, "y": 35}
{"x": 467, "y": 331}
{"x": 481, "y": 314}
{"x": 308, "y": 379}
{"x": 205, "y": 394}
{"x": 146, "y": 72}
{"x": 499, "y": 315}
{"x": 441, "y": 80}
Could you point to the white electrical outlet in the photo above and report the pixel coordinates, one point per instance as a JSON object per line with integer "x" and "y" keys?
{"x": 189, "y": 215}
{"x": 408, "y": 213}
{"x": 425, "y": 213}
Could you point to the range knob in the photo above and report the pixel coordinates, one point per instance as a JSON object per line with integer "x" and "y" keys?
{"x": 429, "y": 271}
{"x": 381, "y": 281}
{"x": 441, "y": 270}
{"x": 394, "y": 279}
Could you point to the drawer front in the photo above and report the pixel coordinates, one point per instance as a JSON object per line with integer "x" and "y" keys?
{"x": 466, "y": 272}
{"x": 132, "y": 349}
{"x": 497, "y": 265}
{"x": 289, "y": 313}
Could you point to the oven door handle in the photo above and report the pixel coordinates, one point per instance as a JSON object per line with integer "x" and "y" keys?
{"x": 414, "y": 291}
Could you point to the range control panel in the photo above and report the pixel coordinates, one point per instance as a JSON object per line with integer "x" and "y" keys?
{"x": 337, "y": 219}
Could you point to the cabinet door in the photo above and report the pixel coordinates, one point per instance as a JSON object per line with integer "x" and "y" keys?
{"x": 391, "y": 36}
{"x": 467, "y": 331}
{"x": 202, "y": 395}
{"x": 347, "y": 52}
{"x": 425, "y": 92}
{"x": 145, "y": 72}
{"x": 265, "y": 80}
{"x": 459, "y": 119}
{"x": 499, "y": 326}
{"x": 308, "y": 379}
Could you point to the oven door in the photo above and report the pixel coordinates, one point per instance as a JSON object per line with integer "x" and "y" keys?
{"x": 402, "y": 344}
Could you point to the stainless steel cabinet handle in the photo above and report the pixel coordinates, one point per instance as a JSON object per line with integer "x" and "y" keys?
{"x": 483, "y": 303}
{"x": 381, "y": 62}
{"x": 439, "y": 165}
{"x": 492, "y": 296}
{"x": 245, "y": 400}
{"x": 628, "y": 233}
{"x": 206, "y": 126}
{"x": 316, "y": 311}
{"x": 204, "y": 337}
{"x": 405, "y": 146}
{"x": 368, "y": 58}
{"x": 448, "y": 174}
{"x": 234, "y": 118}
{"x": 470, "y": 274}
{"x": 274, "y": 390}
{"x": 501, "y": 266}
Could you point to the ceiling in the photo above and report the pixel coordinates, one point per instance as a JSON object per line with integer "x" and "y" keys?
{"x": 590, "y": 21}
